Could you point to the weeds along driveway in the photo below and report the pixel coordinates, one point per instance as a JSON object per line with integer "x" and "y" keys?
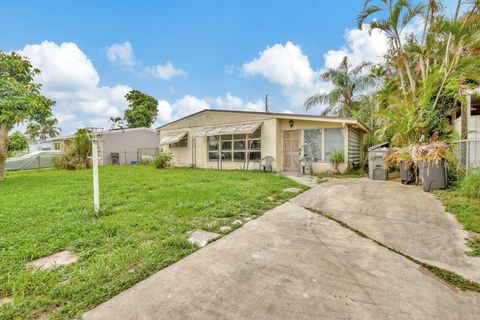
{"x": 401, "y": 217}
{"x": 291, "y": 263}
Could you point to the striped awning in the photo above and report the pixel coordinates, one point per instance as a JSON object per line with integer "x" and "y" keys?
{"x": 234, "y": 128}
{"x": 172, "y": 137}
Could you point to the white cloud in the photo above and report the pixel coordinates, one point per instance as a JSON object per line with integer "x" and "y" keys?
{"x": 122, "y": 53}
{"x": 180, "y": 108}
{"x": 69, "y": 78}
{"x": 189, "y": 104}
{"x": 165, "y": 111}
{"x": 231, "y": 102}
{"x": 287, "y": 66}
{"x": 361, "y": 46}
{"x": 282, "y": 64}
{"x": 166, "y": 71}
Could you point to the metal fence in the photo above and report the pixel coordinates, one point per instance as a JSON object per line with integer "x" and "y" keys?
{"x": 468, "y": 154}
{"x": 145, "y": 152}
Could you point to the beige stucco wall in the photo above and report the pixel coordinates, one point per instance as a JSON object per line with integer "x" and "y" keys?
{"x": 272, "y": 134}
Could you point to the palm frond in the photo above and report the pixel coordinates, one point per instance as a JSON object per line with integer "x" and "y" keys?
{"x": 315, "y": 100}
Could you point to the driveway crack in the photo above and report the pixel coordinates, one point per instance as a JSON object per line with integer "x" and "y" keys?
{"x": 446, "y": 277}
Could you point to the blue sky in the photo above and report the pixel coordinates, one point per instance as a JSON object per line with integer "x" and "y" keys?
{"x": 188, "y": 54}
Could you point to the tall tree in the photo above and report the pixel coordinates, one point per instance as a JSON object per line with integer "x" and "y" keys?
{"x": 399, "y": 13}
{"x": 17, "y": 142}
{"x": 142, "y": 109}
{"x": 349, "y": 82}
{"x": 43, "y": 129}
{"x": 20, "y": 98}
{"x": 443, "y": 61}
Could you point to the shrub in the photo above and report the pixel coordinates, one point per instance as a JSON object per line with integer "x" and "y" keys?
{"x": 162, "y": 160}
{"x": 470, "y": 186}
{"x": 76, "y": 156}
{"x": 336, "y": 158}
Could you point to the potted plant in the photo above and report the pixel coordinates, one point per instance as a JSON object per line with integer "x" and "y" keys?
{"x": 336, "y": 158}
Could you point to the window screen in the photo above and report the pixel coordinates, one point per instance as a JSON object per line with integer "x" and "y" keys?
{"x": 235, "y": 147}
{"x": 333, "y": 141}
{"x": 313, "y": 144}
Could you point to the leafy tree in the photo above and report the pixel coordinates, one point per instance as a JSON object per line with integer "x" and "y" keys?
{"x": 43, "y": 129}
{"x": 17, "y": 142}
{"x": 349, "y": 82}
{"x": 77, "y": 155}
{"x": 20, "y": 98}
{"x": 430, "y": 69}
{"x": 141, "y": 111}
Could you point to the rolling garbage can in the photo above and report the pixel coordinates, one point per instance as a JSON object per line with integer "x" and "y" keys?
{"x": 407, "y": 172}
{"x": 376, "y": 161}
{"x": 115, "y": 157}
{"x": 433, "y": 175}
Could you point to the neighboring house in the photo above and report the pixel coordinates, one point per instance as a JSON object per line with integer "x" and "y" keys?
{"x": 222, "y": 139}
{"x": 40, "y": 145}
{"x": 468, "y": 127}
{"x": 128, "y": 144}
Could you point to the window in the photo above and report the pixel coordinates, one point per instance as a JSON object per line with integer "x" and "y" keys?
{"x": 333, "y": 141}
{"x": 236, "y": 148}
{"x": 180, "y": 144}
{"x": 313, "y": 144}
{"x": 320, "y": 143}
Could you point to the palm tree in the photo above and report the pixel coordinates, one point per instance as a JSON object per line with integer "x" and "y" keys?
{"x": 348, "y": 82}
{"x": 43, "y": 129}
{"x": 399, "y": 14}
{"x": 117, "y": 122}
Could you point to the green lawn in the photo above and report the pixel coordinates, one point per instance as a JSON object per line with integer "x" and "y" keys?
{"x": 143, "y": 227}
{"x": 467, "y": 211}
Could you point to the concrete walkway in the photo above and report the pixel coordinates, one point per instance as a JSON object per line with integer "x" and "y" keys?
{"x": 291, "y": 263}
{"x": 402, "y": 217}
{"x": 306, "y": 180}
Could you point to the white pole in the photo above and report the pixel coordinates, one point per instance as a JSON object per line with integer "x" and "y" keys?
{"x": 96, "y": 194}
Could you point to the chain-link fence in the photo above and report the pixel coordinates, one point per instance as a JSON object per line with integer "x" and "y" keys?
{"x": 146, "y": 154}
{"x": 468, "y": 155}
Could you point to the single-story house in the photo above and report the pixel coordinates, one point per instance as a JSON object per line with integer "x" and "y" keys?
{"x": 224, "y": 139}
{"x": 121, "y": 146}
{"x": 41, "y": 145}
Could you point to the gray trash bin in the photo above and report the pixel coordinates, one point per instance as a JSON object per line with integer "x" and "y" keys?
{"x": 407, "y": 172}
{"x": 376, "y": 162}
{"x": 433, "y": 175}
{"x": 115, "y": 157}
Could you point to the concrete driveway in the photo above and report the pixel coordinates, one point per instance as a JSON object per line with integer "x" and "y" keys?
{"x": 401, "y": 217}
{"x": 292, "y": 263}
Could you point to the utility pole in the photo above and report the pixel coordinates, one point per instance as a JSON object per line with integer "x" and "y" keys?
{"x": 266, "y": 103}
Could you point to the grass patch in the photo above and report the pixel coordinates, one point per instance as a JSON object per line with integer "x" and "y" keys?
{"x": 325, "y": 176}
{"x": 143, "y": 227}
{"x": 461, "y": 200}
